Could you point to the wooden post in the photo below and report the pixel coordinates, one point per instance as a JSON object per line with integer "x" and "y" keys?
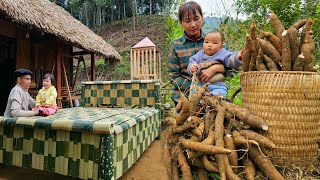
{"x": 150, "y": 63}
{"x": 85, "y": 67}
{"x": 154, "y": 62}
{"x": 131, "y": 64}
{"x": 67, "y": 84}
{"x": 135, "y": 70}
{"x": 143, "y": 69}
{"x": 147, "y": 64}
{"x": 75, "y": 77}
{"x": 139, "y": 66}
{"x": 93, "y": 68}
{"x": 159, "y": 60}
{"x": 58, "y": 71}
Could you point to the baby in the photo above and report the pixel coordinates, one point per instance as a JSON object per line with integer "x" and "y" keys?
{"x": 213, "y": 53}
{"x": 46, "y": 98}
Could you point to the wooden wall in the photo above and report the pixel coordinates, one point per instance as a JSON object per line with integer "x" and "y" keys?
{"x": 23, "y": 56}
{"x": 37, "y": 51}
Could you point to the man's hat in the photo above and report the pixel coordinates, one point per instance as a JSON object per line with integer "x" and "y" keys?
{"x": 22, "y": 72}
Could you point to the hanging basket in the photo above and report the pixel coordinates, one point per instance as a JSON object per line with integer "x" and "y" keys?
{"x": 289, "y": 101}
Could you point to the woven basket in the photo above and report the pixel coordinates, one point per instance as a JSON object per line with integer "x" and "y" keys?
{"x": 290, "y": 104}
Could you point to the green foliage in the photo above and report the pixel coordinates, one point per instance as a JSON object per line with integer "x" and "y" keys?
{"x": 234, "y": 33}
{"x": 122, "y": 69}
{"x": 318, "y": 9}
{"x": 287, "y": 10}
{"x": 103, "y": 3}
{"x": 172, "y": 30}
{"x": 76, "y": 5}
{"x": 234, "y": 84}
{"x": 105, "y": 71}
{"x": 94, "y": 13}
{"x": 214, "y": 176}
{"x": 316, "y": 27}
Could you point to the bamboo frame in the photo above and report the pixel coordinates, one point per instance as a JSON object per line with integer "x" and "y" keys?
{"x": 145, "y": 63}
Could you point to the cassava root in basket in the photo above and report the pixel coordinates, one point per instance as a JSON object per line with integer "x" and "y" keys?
{"x": 283, "y": 48}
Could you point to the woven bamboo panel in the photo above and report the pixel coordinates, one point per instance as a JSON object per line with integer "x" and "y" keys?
{"x": 80, "y": 154}
{"x": 290, "y": 104}
{"x": 125, "y": 93}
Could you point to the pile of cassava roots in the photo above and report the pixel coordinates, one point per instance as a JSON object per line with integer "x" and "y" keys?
{"x": 221, "y": 137}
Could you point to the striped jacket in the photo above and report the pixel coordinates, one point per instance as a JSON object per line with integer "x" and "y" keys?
{"x": 180, "y": 51}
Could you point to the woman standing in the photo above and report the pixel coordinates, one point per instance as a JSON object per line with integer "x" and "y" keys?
{"x": 181, "y": 49}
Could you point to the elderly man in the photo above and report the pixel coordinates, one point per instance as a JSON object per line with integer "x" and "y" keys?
{"x": 20, "y": 103}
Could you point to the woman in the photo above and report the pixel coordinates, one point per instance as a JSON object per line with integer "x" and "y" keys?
{"x": 181, "y": 49}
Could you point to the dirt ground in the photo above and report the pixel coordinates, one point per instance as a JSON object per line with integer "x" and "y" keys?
{"x": 148, "y": 166}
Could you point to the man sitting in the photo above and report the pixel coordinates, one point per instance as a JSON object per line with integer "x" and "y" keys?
{"x": 20, "y": 103}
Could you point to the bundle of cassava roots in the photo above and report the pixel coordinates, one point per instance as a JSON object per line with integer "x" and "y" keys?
{"x": 288, "y": 50}
{"x": 216, "y": 137}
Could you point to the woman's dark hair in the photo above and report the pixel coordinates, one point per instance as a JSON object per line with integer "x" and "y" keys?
{"x": 219, "y": 32}
{"x": 187, "y": 8}
{"x": 51, "y": 77}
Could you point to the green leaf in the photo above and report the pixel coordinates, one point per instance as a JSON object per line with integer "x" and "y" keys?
{"x": 215, "y": 176}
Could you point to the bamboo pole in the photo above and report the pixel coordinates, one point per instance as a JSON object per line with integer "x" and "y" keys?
{"x": 66, "y": 79}
{"x": 150, "y": 64}
{"x": 135, "y": 63}
{"x": 84, "y": 65}
{"x": 147, "y": 64}
{"x": 138, "y": 68}
{"x": 131, "y": 64}
{"x": 154, "y": 62}
{"x": 143, "y": 69}
{"x": 58, "y": 70}
{"x": 75, "y": 77}
{"x": 159, "y": 75}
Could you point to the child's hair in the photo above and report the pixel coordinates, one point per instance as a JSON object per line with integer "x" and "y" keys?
{"x": 187, "y": 8}
{"x": 51, "y": 77}
{"x": 217, "y": 31}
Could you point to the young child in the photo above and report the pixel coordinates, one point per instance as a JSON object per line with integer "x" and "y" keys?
{"x": 46, "y": 98}
{"x": 214, "y": 52}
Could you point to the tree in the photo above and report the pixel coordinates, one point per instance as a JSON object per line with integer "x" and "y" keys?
{"x": 134, "y": 10}
{"x": 287, "y": 10}
{"x": 94, "y": 13}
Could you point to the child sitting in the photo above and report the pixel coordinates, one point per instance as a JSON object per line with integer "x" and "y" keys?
{"x": 214, "y": 52}
{"x": 46, "y": 98}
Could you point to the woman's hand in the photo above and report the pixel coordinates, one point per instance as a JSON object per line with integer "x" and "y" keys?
{"x": 206, "y": 74}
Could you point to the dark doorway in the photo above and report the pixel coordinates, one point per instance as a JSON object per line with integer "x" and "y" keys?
{"x": 7, "y": 66}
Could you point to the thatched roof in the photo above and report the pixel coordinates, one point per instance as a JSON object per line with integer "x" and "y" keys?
{"x": 53, "y": 19}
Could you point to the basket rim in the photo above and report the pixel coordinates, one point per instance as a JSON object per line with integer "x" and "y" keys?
{"x": 280, "y": 72}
